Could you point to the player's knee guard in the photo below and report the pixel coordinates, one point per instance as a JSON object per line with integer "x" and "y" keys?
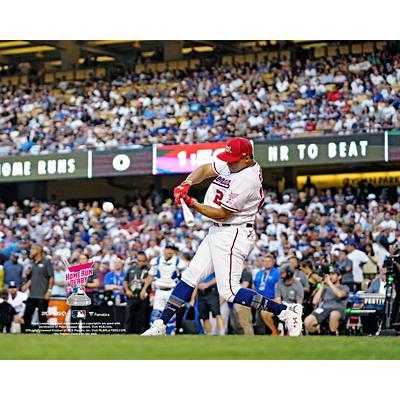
{"x": 155, "y": 314}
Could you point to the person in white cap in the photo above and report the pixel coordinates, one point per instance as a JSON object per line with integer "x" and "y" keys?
{"x": 17, "y": 299}
{"x": 372, "y": 201}
{"x": 286, "y": 206}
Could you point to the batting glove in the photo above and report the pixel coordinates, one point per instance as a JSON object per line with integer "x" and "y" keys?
{"x": 181, "y": 191}
{"x": 188, "y": 200}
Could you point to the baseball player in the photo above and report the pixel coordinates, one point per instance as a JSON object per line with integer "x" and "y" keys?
{"x": 231, "y": 203}
{"x": 165, "y": 271}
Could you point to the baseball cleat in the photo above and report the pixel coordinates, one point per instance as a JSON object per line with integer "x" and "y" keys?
{"x": 292, "y": 319}
{"x": 157, "y": 329}
{"x": 297, "y": 308}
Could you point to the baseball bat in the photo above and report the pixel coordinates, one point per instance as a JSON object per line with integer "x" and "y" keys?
{"x": 187, "y": 214}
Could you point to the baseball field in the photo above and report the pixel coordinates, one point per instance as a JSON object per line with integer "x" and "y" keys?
{"x": 124, "y": 347}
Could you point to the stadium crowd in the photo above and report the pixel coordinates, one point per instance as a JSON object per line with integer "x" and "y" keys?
{"x": 308, "y": 242}
{"x": 270, "y": 100}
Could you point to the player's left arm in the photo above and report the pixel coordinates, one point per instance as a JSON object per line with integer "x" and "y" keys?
{"x": 233, "y": 200}
{"x": 212, "y": 212}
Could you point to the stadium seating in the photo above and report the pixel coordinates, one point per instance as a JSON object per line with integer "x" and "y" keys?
{"x": 198, "y": 103}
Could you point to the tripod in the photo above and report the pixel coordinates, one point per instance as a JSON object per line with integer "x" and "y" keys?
{"x": 386, "y": 327}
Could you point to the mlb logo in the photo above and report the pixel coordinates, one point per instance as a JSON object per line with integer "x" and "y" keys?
{"x": 78, "y": 313}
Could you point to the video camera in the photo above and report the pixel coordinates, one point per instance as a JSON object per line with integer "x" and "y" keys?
{"x": 389, "y": 263}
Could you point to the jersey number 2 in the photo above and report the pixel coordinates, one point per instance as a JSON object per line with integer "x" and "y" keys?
{"x": 218, "y": 197}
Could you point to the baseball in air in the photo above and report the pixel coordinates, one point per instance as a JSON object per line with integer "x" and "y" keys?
{"x": 108, "y": 206}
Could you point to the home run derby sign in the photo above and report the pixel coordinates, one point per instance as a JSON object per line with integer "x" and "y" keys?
{"x": 78, "y": 275}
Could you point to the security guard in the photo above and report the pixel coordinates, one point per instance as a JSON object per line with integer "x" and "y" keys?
{"x": 137, "y": 310}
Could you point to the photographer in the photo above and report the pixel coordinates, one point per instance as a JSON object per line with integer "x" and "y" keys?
{"x": 330, "y": 301}
{"x": 289, "y": 289}
{"x": 137, "y": 309}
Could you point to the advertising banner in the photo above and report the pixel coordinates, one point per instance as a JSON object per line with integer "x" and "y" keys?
{"x": 180, "y": 159}
{"x": 326, "y": 181}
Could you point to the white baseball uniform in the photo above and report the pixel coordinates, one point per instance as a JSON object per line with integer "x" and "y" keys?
{"x": 165, "y": 274}
{"x": 227, "y": 244}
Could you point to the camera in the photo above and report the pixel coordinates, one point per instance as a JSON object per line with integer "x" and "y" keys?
{"x": 322, "y": 269}
{"x": 389, "y": 261}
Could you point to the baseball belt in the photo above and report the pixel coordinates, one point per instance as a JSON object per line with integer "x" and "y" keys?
{"x": 247, "y": 225}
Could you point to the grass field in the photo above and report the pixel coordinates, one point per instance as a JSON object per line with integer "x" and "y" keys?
{"x": 197, "y": 348}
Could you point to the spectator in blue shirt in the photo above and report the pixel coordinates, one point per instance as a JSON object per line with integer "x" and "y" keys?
{"x": 13, "y": 270}
{"x": 11, "y": 248}
{"x": 264, "y": 283}
{"x": 267, "y": 278}
{"x": 114, "y": 281}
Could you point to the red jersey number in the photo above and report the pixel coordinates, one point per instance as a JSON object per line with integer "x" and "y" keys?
{"x": 218, "y": 197}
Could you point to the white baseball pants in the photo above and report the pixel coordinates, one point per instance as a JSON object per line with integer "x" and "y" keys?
{"x": 222, "y": 251}
{"x": 160, "y": 299}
